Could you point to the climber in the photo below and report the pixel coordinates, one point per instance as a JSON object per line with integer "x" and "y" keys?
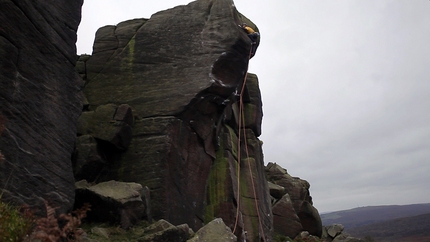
{"x": 253, "y": 35}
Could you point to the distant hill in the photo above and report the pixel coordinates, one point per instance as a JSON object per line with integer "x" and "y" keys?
{"x": 373, "y": 214}
{"x": 416, "y": 229}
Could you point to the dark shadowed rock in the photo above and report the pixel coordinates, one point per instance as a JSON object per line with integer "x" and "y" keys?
{"x": 276, "y": 191}
{"x": 182, "y": 81}
{"x": 88, "y": 162}
{"x": 310, "y": 218}
{"x": 298, "y": 191}
{"x": 40, "y": 100}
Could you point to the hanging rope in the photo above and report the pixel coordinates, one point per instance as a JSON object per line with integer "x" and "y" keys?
{"x": 242, "y": 125}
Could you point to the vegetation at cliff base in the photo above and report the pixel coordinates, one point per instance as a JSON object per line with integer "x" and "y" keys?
{"x": 14, "y": 225}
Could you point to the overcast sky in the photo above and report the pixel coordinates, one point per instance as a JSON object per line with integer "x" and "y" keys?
{"x": 345, "y": 88}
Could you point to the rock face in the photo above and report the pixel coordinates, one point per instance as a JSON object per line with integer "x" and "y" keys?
{"x": 40, "y": 100}
{"x": 181, "y": 82}
{"x": 295, "y": 208}
{"x": 285, "y": 219}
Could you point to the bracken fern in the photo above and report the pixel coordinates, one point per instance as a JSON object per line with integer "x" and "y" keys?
{"x": 65, "y": 227}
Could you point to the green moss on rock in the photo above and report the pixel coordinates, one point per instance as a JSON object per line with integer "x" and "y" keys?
{"x": 216, "y": 184}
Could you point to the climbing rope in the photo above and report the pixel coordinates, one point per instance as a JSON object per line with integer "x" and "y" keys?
{"x": 241, "y": 124}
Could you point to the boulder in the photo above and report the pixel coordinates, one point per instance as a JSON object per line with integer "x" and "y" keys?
{"x": 310, "y": 218}
{"x": 40, "y": 101}
{"x": 336, "y": 233}
{"x": 116, "y": 202}
{"x": 183, "y": 90}
{"x": 214, "y": 231}
{"x": 162, "y": 231}
{"x": 334, "y": 230}
{"x": 298, "y": 191}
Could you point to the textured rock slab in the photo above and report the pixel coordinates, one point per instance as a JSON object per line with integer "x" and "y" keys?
{"x": 112, "y": 201}
{"x": 40, "y": 100}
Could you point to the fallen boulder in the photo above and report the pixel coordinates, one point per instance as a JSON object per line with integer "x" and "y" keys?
{"x": 116, "y": 202}
{"x": 336, "y": 233}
